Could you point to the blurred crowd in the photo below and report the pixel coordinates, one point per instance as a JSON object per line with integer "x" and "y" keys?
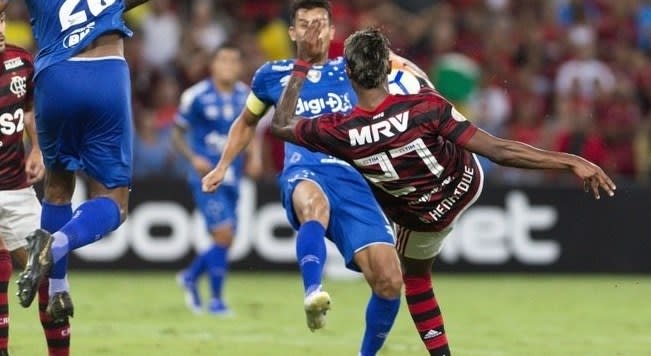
{"x": 569, "y": 75}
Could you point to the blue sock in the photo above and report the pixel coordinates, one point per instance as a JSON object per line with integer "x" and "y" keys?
{"x": 216, "y": 259}
{"x": 311, "y": 253}
{"x": 53, "y": 217}
{"x": 90, "y": 222}
{"x": 197, "y": 267}
{"x": 380, "y": 315}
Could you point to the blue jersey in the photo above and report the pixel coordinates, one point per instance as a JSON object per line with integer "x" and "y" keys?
{"x": 208, "y": 115}
{"x": 327, "y": 89}
{"x": 63, "y": 28}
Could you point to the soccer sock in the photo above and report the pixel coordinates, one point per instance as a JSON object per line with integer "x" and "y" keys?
{"x": 90, "y": 222}
{"x": 197, "y": 267}
{"x": 311, "y": 253}
{"x": 5, "y": 275}
{"x": 57, "y": 333}
{"x": 380, "y": 315}
{"x": 53, "y": 217}
{"x": 216, "y": 259}
{"x": 425, "y": 312}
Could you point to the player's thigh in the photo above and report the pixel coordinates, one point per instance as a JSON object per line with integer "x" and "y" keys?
{"x": 310, "y": 202}
{"x": 356, "y": 220}
{"x": 381, "y": 268}
{"x": 303, "y": 197}
{"x": 417, "y": 250}
{"x": 106, "y": 151}
{"x": 21, "y": 214}
{"x": 59, "y": 186}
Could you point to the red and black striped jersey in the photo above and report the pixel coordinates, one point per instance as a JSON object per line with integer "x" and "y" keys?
{"x": 16, "y": 95}
{"x": 410, "y": 148}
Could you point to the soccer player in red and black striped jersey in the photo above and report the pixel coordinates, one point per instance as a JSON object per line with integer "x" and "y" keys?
{"x": 417, "y": 153}
{"x": 20, "y": 210}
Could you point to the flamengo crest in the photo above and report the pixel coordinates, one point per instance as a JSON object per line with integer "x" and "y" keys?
{"x": 18, "y": 86}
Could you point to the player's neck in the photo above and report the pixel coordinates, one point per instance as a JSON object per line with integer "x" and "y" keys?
{"x": 223, "y": 87}
{"x": 370, "y": 99}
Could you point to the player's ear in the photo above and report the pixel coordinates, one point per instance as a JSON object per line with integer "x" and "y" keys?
{"x": 292, "y": 33}
{"x": 332, "y": 32}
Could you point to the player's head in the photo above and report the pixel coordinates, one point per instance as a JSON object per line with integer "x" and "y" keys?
{"x": 367, "y": 58}
{"x": 3, "y": 26}
{"x": 304, "y": 12}
{"x": 226, "y": 64}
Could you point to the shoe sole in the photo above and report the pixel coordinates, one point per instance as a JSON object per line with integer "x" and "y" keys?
{"x": 316, "y": 309}
{"x": 38, "y": 246}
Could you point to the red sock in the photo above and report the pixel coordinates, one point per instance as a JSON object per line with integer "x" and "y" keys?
{"x": 57, "y": 334}
{"x": 425, "y": 312}
{"x": 5, "y": 275}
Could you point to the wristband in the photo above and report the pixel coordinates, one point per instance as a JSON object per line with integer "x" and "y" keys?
{"x": 301, "y": 68}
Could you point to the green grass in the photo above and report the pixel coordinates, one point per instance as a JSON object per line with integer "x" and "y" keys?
{"x": 143, "y": 314}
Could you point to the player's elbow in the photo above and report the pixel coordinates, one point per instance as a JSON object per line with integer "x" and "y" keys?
{"x": 501, "y": 153}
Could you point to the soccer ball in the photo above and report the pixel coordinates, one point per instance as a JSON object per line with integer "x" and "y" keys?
{"x": 402, "y": 81}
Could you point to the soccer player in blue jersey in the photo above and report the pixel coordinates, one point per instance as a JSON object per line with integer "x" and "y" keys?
{"x": 323, "y": 196}
{"x": 83, "y": 118}
{"x": 205, "y": 116}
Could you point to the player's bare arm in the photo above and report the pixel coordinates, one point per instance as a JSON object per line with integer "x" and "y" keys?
{"x": 239, "y": 136}
{"x": 200, "y": 164}
{"x": 34, "y": 166}
{"x": 308, "y": 52}
{"x": 254, "y": 164}
{"x": 517, "y": 154}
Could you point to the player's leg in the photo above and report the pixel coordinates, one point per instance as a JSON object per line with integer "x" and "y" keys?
{"x": 217, "y": 266}
{"x": 381, "y": 268}
{"x": 23, "y": 215}
{"x": 5, "y": 275}
{"x": 361, "y": 232}
{"x": 312, "y": 210}
{"x": 90, "y": 132}
{"x": 418, "y": 251}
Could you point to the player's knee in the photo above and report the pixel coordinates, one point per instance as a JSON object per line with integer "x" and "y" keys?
{"x": 312, "y": 206}
{"x": 223, "y": 236}
{"x": 388, "y": 285}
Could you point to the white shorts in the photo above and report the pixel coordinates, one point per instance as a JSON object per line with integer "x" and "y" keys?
{"x": 20, "y": 214}
{"x": 420, "y": 245}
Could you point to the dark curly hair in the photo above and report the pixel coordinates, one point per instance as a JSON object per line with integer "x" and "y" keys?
{"x": 308, "y": 5}
{"x": 367, "y": 57}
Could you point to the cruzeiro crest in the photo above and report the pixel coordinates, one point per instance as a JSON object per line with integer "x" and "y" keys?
{"x": 18, "y": 86}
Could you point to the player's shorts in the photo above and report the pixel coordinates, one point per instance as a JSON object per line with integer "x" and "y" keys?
{"x": 420, "y": 245}
{"x": 20, "y": 214}
{"x": 218, "y": 208}
{"x": 356, "y": 220}
{"x": 83, "y": 118}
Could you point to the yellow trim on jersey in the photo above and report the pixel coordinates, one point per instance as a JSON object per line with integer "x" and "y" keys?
{"x": 255, "y": 105}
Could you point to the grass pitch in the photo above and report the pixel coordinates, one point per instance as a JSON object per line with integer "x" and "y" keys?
{"x": 143, "y": 314}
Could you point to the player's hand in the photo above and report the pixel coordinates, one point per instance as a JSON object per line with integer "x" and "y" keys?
{"x": 34, "y": 167}
{"x": 201, "y": 165}
{"x": 593, "y": 178}
{"x": 212, "y": 180}
{"x": 309, "y": 47}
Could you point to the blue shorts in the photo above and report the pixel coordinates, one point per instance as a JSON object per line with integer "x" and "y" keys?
{"x": 218, "y": 208}
{"x": 356, "y": 220}
{"x": 83, "y": 118}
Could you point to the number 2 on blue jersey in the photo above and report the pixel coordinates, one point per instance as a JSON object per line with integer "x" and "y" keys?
{"x": 68, "y": 17}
